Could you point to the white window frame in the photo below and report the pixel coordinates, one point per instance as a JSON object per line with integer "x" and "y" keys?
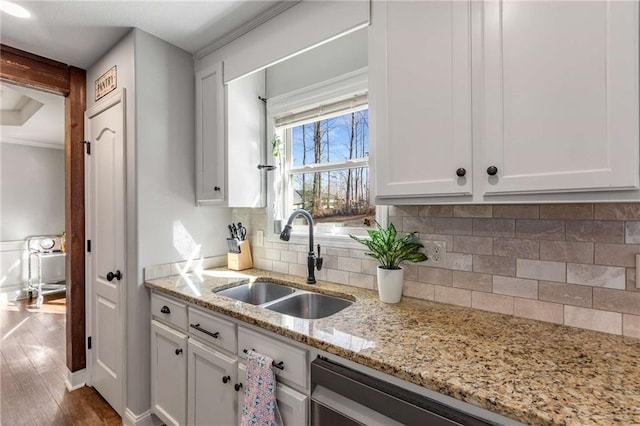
{"x": 327, "y": 92}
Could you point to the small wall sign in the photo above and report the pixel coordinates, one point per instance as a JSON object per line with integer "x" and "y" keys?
{"x": 106, "y": 83}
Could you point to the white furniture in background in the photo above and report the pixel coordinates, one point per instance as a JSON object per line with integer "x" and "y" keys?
{"x": 198, "y": 370}
{"x": 477, "y": 100}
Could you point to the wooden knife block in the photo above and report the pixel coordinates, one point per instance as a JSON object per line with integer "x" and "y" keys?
{"x": 242, "y": 260}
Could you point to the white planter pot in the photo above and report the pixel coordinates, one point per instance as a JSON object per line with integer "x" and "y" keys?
{"x": 390, "y": 283}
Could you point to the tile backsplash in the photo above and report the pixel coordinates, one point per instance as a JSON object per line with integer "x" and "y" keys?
{"x": 571, "y": 264}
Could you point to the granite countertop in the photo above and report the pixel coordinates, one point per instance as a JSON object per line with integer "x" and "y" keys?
{"x": 530, "y": 371}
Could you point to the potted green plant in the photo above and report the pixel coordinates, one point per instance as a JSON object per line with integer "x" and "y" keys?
{"x": 390, "y": 251}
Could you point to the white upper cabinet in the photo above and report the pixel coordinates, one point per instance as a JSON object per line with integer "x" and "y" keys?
{"x": 246, "y": 141}
{"x": 560, "y": 89}
{"x": 535, "y": 100}
{"x": 210, "y": 141}
{"x": 421, "y": 85}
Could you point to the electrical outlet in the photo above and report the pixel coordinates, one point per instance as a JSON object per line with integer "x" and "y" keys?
{"x": 436, "y": 251}
{"x": 259, "y": 238}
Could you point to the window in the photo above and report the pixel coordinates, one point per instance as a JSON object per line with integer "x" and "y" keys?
{"x": 321, "y": 145}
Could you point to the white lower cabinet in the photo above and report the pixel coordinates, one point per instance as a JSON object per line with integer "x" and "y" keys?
{"x": 168, "y": 374}
{"x": 197, "y": 378}
{"x": 211, "y": 380}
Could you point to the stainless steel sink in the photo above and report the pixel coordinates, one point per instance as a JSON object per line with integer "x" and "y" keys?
{"x": 309, "y": 305}
{"x": 258, "y": 292}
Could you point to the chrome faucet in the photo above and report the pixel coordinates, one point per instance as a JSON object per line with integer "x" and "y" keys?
{"x": 313, "y": 262}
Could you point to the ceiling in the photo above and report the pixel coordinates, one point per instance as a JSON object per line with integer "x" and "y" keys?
{"x": 80, "y": 32}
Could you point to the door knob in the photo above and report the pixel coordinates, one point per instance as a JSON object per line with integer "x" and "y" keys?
{"x": 492, "y": 170}
{"x": 111, "y": 276}
{"x": 461, "y": 172}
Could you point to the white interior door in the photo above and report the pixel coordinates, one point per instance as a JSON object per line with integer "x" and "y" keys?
{"x": 106, "y": 260}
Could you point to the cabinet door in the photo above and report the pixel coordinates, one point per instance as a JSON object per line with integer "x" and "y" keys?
{"x": 212, "y": 376}
{"x": 560, "y": 96}
{"x": 291, "y": 404}
{"x": 246, "y": 141}
{"x": 168, "y": 374}
{"x": 421, "y": 89}
{"x": 210, "y": 143}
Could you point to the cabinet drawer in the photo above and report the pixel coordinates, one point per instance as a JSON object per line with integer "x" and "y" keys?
{"x": 214, "y": 330}
{"x": 169, "y": 310}
{"x": 294, "y": 360}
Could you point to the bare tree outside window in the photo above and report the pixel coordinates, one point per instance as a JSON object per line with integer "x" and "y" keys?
{"x": 329, "y": 169}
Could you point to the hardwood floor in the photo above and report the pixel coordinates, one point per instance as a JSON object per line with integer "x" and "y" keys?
{"x": 32, "y": 370}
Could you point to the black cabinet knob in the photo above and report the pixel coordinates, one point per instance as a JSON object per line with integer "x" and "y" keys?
{"x": 461, "y": 172}
{"x": 216, "y": 188}
{"x": 117, "y": 275}
{"x": 237, "y": 387}
{"x": 165, "y": 310}
{"x": 492, "y": 170}
{"x": 226, "y": 379}
{"x": 178, "y": 351}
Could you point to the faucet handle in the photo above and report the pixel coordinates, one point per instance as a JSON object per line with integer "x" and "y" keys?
{"x": 318, "y": 259}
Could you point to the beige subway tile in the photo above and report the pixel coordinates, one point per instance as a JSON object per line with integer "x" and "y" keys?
{"x": 521, "y": 248}
{"x": 496, "y": 265}
{"x": 459, "y": 261}
{"x": 437, "y": 276}
{"x": 446, "y": 239}
{"x": 616, "y": 301}
{"x": 466, "y": 210}
{"x": 631, "y": 326}
{"x": 421, "y": 225}
{"x": 350, "y": 264}
{"x": 301, "y": 271}
{"x": 272, "y": 254}
{"x": 616, "y": 254}
{"x": 540, "y": 229}
{"x": 566, "y": 251}
{"x": 631, "y": 280}
{"x": 361, "y": 280}
{"x": 472, "y": 281}
{"x": 371, "y": 267}
{"x": 537, "y": 310}
{"x": 410, "y": 272}
{"x": 617, "y": 211}
{"x": 262, "y": 263}
{"x": 329, "y": 262}
{"x": 404, "y": 210}
{"x": 258, "y": 252}
{"x": 492, "y": 302}
{"x": 472, "y": 245}
{"x": 337, "y": 276}
{"x": 515, "y": 287}
{"x": 593, "y": 319}
{"x": 596, "y": 275}
{"x": 334, "y": 251}
{"x": 453, "y": 296}
{"x": 494, "y": 227}
{"x": 280, "y": 246}
{"x": 632, "y": 232}
{"x": 436, "y": 211}
{"x": 595, "y": 231}
{"x": 454, "y": 226}
{"x": 516, "y": 211}
{"x": 567, "y": 294}
{"x": 566, "y": 211}
{"x": 419, "y": 290}
{"x": 358, "y": 254}
{"x": 289, "y": 256}
{"x": 541, "y": 270}
{"x": 301, "y": 248}
{"x": 280, "y": 267}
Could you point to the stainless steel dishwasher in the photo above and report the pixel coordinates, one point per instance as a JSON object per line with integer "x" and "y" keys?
{"x": 344, "y": 397}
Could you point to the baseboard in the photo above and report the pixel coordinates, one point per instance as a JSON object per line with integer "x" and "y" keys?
{"x": 76, "y": 379}
{"x": 144, "y": 419}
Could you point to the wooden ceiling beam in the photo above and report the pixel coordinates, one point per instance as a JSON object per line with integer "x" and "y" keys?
{"x": 31, "y": 70}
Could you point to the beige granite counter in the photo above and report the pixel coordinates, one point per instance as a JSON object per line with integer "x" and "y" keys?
{"x": 534, "y": 372}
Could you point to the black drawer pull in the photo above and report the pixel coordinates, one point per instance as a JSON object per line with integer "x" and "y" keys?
{"x": 165, "y": 310}
{"x": 237, "y": 387}
{"x": 202, "y": 330}
{"x": 278, "y": 365}
{"x": 178, "y": 351}
{"x": 225, "y": 379}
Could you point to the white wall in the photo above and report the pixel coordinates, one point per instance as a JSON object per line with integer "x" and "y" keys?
{"x": 31, "y": 190}
{"x": 322, "y": 63}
